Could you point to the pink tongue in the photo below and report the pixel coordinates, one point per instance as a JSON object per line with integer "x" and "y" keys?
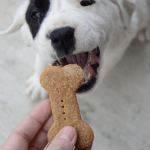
{"x": 79, "y": 59}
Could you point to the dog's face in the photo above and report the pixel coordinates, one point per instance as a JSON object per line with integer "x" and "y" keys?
{"x": 68, "y": 31}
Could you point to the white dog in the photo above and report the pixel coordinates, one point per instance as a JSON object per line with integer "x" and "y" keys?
{"x": 92, "y": 33}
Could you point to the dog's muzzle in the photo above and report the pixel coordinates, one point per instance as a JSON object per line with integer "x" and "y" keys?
{"x": 63, "y": 42}
{"x": 89, "y": 62}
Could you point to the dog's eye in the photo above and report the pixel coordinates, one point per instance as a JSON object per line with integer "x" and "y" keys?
{"x": 87, "y": 2}
{"x": 36, "y": 15}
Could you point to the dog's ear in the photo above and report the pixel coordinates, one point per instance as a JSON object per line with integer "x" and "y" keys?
{"x": 19, "y": 19}
{"x": 127, "y": 8}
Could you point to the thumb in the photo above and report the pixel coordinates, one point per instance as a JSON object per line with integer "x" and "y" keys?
{"x": 64, "y": 140}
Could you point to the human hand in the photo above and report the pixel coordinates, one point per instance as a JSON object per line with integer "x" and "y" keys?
{"x": 31, "y": 132}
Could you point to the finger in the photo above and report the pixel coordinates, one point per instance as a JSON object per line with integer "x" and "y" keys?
{"x": 40, "y": 140}
{"x": 64, "y": 140}
{"x": 28, "y": 127}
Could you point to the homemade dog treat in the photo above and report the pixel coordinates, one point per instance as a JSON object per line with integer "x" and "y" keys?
{"x": 61, "y": 84}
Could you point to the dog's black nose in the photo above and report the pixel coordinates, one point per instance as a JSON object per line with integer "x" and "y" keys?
{"x": 63, "y": 41}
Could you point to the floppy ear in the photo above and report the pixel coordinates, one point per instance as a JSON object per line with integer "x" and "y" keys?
{"x": 18, "y": 20}
{"x": 127, "y": 8}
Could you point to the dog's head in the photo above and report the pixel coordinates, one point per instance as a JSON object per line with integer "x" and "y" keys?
{"x": 71, "y": 31}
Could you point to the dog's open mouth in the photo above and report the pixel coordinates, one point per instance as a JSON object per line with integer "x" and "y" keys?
{"x": 89, "y": 62}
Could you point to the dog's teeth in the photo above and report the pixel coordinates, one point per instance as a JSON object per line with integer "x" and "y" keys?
{"x": 60, "y": 62}
{"x": 89, "y": 76}
{"x": 90, "y": 55}
{"x": 85, "y": 81}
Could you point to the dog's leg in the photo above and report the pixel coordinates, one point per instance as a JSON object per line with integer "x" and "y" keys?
{"x": 34, "y": 89}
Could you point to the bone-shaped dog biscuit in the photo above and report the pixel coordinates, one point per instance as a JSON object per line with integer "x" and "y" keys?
{"x": 61, "y": 84}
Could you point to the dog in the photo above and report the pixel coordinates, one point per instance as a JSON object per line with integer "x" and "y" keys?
{"x": 91, "y": 33}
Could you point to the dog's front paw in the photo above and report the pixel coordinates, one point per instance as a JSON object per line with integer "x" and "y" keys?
{"x": 34, "y": 89}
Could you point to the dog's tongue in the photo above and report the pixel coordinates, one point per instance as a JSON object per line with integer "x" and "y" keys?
{"x": 80, "y": 59}
{"x": 88, "y": 62}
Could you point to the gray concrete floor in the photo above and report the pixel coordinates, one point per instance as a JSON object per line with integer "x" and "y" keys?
{"x": 118, "y": 110}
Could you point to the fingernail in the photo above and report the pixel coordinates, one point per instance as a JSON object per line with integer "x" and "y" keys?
{"x": 67, "y": 134}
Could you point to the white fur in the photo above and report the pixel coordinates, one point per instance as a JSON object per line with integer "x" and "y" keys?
{"x": 102, "y": 24}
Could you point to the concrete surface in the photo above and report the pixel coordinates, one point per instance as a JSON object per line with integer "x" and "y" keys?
{"x": 118, "y": 111}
